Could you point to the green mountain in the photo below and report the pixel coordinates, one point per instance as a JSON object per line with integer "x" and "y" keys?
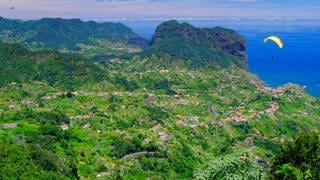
{"x": 63, "y": 116}
{"x": 90, "y": 38}
{"x": 200, "y": 47}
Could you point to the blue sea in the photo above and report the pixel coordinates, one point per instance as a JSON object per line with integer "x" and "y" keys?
{"x": 298, "y": 62}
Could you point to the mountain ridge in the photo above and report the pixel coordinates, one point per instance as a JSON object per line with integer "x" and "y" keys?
{"x": 68, "y": 34}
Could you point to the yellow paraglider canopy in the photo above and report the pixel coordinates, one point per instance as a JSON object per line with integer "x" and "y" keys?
{"x": 275, "y": 39}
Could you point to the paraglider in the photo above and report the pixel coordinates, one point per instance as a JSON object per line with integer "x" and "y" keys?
{"x": 275, "y": 39}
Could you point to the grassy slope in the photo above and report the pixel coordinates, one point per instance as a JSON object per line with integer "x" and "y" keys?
{"x": 145, "y": 118}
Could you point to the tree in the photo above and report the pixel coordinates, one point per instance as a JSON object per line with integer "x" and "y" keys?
{"x": 69, "y": 94}
{"x": 298, "y": 159}
{"x": 232, "y": 166}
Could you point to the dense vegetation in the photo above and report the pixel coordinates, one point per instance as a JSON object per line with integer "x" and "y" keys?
{"x": 63, "y": 116}
{"x": 232, "y": 166}
{"x": 299, "y": 159}
{"x": 57, "y": 69}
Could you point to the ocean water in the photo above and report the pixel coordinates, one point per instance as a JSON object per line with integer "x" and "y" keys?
{"x": 298, "y": 62}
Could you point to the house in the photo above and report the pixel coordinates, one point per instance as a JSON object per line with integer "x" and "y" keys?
{"x": 13, "y": 107}
{"x": 9, "y": 125}
{"x": 64, "y": 127}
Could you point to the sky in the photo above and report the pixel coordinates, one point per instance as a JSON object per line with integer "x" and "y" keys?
{"x": 148, "y": 9}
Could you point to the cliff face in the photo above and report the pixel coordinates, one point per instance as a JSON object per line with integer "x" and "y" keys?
{"x": 217, "y": 45}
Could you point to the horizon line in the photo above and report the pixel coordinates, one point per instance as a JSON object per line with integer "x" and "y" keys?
{"x": 215, "y": 18}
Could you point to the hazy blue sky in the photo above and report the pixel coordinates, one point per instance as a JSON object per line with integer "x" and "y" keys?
{"x": 104, "y": 9}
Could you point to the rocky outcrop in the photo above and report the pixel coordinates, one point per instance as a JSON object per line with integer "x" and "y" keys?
{"x": 224, "y": 39}
{"x": 185, "y": 41}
